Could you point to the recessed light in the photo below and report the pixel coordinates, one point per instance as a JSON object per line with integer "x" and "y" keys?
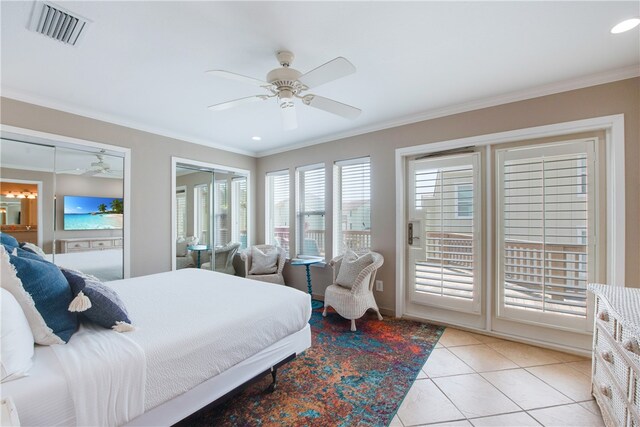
{"x": 256, "y": 138}
{"x": 626, "y": 25}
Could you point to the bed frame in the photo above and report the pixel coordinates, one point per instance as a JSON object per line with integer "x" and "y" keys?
{"x": 229, "y": 383}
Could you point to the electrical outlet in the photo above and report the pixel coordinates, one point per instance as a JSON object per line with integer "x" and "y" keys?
{"x": 379, "y": 286}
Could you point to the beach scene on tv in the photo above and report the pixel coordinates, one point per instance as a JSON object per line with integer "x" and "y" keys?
{"x": 92, "y": 213}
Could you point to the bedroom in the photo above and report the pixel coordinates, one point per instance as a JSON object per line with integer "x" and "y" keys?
{"x": 109, "y": 90}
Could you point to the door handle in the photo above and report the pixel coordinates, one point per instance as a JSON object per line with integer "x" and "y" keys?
{"x": 411, "y": 237}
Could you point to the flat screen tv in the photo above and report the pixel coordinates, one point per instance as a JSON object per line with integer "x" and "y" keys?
{"x": 92, "y": 213}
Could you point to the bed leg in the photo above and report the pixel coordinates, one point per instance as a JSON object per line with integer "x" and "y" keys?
{"x": 272, "y": 386}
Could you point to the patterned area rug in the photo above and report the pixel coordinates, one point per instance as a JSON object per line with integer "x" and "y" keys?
{"x": 344, "y": 379}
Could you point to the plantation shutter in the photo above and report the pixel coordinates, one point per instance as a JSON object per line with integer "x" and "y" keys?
{"x": 352, "y": 205}
{"x": 277, "y": 209}
{"x": 239, "y": 198}
{"x": 311, "y": 223}
{"x": 221, "y": 210}
{"x": 181, "y": 213}
{"x": 547, "y": 210}
{"x": 445, "y": 221}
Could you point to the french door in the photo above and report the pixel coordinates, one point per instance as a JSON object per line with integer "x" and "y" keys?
{"x": 444, "y": 232}
{"x": 537, "y": 240}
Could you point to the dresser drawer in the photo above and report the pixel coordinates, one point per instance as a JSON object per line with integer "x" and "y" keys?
{"x": 608, "y": 396}
{"x": 117, "y": 243}
{"x": 99, "y": 244}
{"x": 605, "y": 319}
{"x": 607, "y": 354}
{"x": 81, "y": 244}
{"x": 630, "y": 343}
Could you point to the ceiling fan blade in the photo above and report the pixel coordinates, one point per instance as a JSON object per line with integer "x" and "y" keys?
{"x": 91, "y": 172}
{"x": 238, "y": 77}
{"x": 236, "y": 102}
{"x": 332, "y": 70}
{"x": 331, "y": 106}
{"x": 288, "y": 113}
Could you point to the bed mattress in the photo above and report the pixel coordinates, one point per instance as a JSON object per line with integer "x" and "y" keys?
{"x": 192, "y": 325}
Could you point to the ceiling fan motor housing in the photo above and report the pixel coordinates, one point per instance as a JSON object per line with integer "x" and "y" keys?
{"x": 285, "y": 79}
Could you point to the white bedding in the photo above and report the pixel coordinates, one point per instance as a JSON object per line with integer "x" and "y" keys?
{"x": 106, "y": 371}
{"x": 192, "y": 325}
{"x": 105, "y": 264}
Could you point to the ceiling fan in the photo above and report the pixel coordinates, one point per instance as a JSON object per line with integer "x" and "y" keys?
{"x": 285, "y": 84}
{"x": 99, "y": 167}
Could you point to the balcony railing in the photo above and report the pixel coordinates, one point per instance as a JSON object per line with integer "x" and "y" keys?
{"x": 353, "y": 239}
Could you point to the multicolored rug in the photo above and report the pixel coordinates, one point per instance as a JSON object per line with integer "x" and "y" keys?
{"x": 345, "y": 379}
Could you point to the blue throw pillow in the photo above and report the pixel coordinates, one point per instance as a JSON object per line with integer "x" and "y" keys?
{"x": 9, "y": 240}
{"x": 23, "y": 253}
{"x": 42, "y": 282}
{"x": 107, "y": 309}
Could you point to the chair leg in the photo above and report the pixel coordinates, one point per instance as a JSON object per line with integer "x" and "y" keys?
{"x": 324, "y": 312}
{"x": 379, "y": 315}
{"x": 353, "y": 325}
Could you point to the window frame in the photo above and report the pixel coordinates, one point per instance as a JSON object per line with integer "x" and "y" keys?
{"x": 338, "y": 212}
{"x": 269, "y": 234}
{"x": 300, "y": 233}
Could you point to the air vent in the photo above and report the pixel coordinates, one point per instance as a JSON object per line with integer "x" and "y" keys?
{"x": 57, "y": 23}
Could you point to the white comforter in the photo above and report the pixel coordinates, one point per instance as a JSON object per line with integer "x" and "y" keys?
{"x": 191, "y": 325}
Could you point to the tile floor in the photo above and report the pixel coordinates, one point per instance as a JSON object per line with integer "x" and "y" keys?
{"x": 475, "y": 380}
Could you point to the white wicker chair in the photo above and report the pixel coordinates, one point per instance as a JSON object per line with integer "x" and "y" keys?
{"x": 243, "y": 268}
{"x": 353, "y": 303}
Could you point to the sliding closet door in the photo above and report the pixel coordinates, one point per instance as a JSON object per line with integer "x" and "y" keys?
{"x": 89, "y": 212}
{"x": 27, "y": 187}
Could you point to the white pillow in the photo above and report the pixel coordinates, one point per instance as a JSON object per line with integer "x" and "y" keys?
{"x": 351, "y": 266}
{"x": 181, "y": 248}
{"x": 34, "y": 248}
{"x": 16, "y": 339}
{"x": 263, "y": 262}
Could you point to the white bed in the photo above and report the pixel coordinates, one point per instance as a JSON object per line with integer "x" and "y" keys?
{"x": 105, "y": 264}
{"x": 201, "y": 334}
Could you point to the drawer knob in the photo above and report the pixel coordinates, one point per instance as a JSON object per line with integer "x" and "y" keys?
{"x": 607, "y": 356}
{"x": 603, "y": 315}
{"x": 631, "y": 345}
{"x": 605, "y": 390}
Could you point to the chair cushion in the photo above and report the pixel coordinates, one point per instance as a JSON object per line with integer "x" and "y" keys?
{"x": 263, "y": 262}
{"x": 351, "y": 266}
{"x": 181, "y": 248}
{"x": 43, "y": 293}
{"x": 16, "y": 339}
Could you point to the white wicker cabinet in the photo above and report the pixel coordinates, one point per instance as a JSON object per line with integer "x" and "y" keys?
{"x": 616, "y": 355}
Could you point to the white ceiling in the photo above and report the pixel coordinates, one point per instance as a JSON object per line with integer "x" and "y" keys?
{"x": 142, "y": 64}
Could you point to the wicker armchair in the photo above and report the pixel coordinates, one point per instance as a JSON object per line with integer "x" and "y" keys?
{"x": 223, "y": 258}
{"x": 353, "y": 303}
{"x": 243, "y": 267}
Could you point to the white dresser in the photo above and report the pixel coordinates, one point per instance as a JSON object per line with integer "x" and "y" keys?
{"x": 616, "y": 355}
{"x": 89, "y": 244}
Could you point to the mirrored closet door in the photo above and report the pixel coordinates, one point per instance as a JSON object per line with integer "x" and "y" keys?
{"x": 211, "y": 217}
{"x": 69, "y": 201}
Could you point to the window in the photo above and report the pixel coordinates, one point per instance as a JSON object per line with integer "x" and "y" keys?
{"x": 310, "y": 216}
{"x": 239, "y": 211}
{"x": 201, "y": 220}
{"x": 464, "y": 201}
{"x": 181, "y": 212}
{"x": 543, "y": 268}
{"x": 221, "y": 212}
{"x": 352, "y": 205}
{"x": 277, "y": 209}
{"x": 445, "y": 221}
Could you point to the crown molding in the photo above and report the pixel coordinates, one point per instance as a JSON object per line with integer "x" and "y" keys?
{"x": 550, "y": 89}
{"x": 115, "y": 119}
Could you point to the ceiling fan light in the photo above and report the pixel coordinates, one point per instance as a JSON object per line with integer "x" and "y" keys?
{"x": 21, "y": 196}
{"x": 32, "y": 196}
{"x": 10, "y": 195}
{"x": 625, "y": 25}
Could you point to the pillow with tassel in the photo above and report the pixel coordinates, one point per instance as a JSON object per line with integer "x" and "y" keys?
{"x": 97, "y": 302}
